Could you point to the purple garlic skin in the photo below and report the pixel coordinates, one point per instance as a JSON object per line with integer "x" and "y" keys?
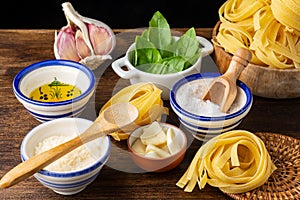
{"x": 83, "y": 40}
{"x": 81, "y": 47}
{"x": 100, "y": 38}
{"x": 66, "y": 44}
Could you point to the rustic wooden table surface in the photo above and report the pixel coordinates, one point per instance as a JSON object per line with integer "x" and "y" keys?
{"x": 119, "y": 179}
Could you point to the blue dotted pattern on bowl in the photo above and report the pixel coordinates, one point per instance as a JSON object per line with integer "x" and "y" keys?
{"x": 67, "y": 63}
{"x": 192, "y": 77}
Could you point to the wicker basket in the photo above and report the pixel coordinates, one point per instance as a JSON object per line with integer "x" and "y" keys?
{"x": 284, "y": 183}
{"x": 263, "y": 81}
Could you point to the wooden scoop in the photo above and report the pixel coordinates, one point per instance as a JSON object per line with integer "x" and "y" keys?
{"x": 110, "y": 120}
{"x": 223, "y": 89}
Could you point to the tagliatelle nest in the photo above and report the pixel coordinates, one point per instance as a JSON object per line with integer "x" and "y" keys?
{"x": 284, "y": 181}
{"x": 146, "y": 97}
{"x": 235, "y": 161}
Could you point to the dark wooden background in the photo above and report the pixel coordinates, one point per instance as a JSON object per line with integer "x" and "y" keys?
{"x": 48, "y": 14}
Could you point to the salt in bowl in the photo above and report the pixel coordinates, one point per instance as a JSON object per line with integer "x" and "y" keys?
{"x": 203, "y": 119}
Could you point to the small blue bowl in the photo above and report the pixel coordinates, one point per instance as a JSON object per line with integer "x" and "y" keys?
{"x": 204, "y": 126}
{"x": 44, "y": 72}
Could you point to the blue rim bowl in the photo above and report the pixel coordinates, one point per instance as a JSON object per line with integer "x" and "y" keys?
{"x": 69, "y": 182}
{"x": 64, "y": 108}
{"x": 204, "y": 124}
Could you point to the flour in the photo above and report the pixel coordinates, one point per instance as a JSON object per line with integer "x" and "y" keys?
{"x": 188, "y": 97}
{"x": 77, "y": 159}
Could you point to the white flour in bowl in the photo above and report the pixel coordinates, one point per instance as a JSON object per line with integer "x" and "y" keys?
{"x": 188, "y": 97}
{"x": 77, "y": 159}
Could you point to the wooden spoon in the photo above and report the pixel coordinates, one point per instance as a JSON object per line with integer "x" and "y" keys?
{"x": 112, "y": 119}
{"x": 223, "y": 89}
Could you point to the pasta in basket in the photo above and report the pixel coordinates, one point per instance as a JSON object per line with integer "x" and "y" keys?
{"x": 269, "y": 29}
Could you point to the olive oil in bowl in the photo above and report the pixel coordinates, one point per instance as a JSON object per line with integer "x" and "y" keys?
{"x": 55, "y": 91}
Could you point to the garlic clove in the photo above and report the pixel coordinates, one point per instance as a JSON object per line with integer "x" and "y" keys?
{"x": 66, "y": 47}
{"x": 100, "y": 39}
{"x": 94, "y": 40}
{"x": 74, "y": 20}
{"x": 81, "y": 47}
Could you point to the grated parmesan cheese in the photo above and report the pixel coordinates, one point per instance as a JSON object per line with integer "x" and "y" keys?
{"x": 77, "y": 159}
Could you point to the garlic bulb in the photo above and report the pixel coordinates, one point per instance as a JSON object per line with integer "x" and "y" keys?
{"x": 83, "y": 39}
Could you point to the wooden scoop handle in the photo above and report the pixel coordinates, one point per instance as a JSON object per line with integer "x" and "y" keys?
{"x": 239, "y": 61}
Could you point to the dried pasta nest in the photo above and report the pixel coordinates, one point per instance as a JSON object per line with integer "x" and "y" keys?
{"x": 284, "y": 183}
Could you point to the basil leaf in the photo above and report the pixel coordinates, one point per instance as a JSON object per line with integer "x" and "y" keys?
{"x": 159, "y": 32}
{"x": 167, "y": 66}
{"x": 192, "y": 60}
{"x": 187, "y": 45}
{"x": 145, "y": 35}
{"x": 145, "y": 52}
{"x": 173, "y": 64}
{"x": 132, "y": 57}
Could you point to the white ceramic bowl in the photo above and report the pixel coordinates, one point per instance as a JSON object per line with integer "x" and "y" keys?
{"x": 204, "y": 127}
{"x": 70, "y": 182}
{"x": 43, "y": 72}
{"x": 158, "y": 164}
{"x": 162, "y": 81}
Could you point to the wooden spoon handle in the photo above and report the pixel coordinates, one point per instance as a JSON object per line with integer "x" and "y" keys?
{"x": 112, "y": 119}
{"x": 239, "y": 61}
{"x": 39, "y": 161}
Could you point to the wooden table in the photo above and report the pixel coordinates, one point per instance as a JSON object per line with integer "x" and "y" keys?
{"x": 19, "y": 48}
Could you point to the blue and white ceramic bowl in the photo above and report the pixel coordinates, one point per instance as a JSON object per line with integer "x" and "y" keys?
{"x": 69, "y": 182}
{"x": 202, "y": 126}
{"x": 43, "y": 72}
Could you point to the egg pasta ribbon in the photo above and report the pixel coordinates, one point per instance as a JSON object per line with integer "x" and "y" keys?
{"x": 147, "y": 99}
{"x": 235, "y": 161}
{"x": 287, "y": 13}
{"x": 269, "y": 29}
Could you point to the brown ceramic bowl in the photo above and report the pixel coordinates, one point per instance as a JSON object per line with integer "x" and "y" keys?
{"x": 158, "y": 164}
{"x": 263, "y": 81}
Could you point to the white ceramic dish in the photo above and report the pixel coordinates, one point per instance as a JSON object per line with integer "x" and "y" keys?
{"x": 67, "y": 183}
{"x": 43, "y": 72}
{"x": 163, "y": 81}
{"x": 205, "y": 127}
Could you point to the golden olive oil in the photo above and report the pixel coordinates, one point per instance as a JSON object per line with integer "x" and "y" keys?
{"x": 55, "y": 91}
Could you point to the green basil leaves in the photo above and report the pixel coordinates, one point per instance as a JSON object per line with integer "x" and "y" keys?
{"x": 157, "y": 52}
